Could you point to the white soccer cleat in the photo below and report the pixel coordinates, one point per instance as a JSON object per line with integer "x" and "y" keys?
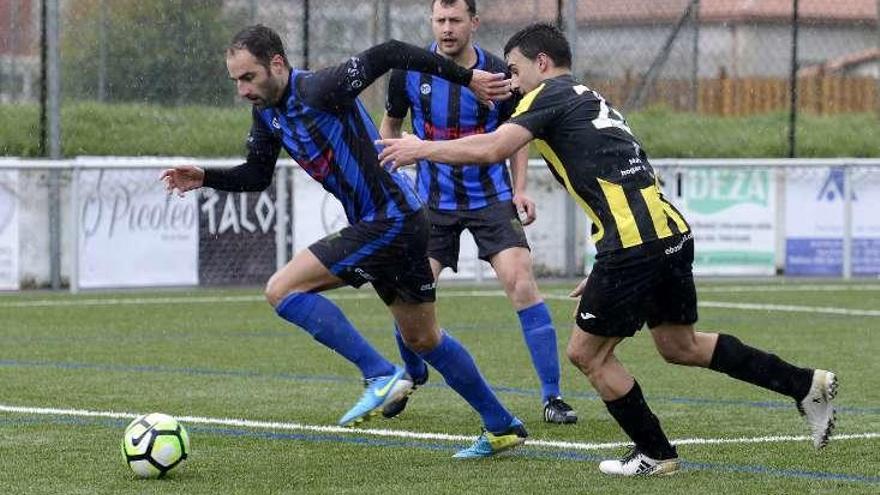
{"x": 636, "y": 463}
{"x": 817, "y": 409}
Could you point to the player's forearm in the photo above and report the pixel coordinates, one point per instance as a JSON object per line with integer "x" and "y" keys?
{"x": 479, "y": 149}
{"x": 395, "y": 54}
{"x": 245, "y": 177}
{"x": 519, "y": 165}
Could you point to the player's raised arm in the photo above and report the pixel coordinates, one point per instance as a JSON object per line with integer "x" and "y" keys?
{"x": 476, "y": 149}
{"x": 339, "y": 85}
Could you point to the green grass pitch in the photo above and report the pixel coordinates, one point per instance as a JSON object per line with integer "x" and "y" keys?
{"x": 259, "y": 391}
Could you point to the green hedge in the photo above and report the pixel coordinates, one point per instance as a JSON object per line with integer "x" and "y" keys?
{"x": 127, "y": 129}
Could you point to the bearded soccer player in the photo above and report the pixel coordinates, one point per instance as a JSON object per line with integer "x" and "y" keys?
{"x": 645, "y": 250}
{"x": 317, "y": 118}
{"x": 479, "y": 199}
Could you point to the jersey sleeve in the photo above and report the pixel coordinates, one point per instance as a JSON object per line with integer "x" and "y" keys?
{"x": 507, "y": 107}
{"x": 257, "y": 172}
{"x": 335, "y": 88}
{"x": 539, "y": 110}
{"x": 396, "y": 102}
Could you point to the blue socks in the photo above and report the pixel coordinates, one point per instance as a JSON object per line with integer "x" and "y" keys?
{"x": 326, "y": 323}
{"x": 457, "y": 366}
{"x": 414, "y": 364}
{"x": 540, "y": 338}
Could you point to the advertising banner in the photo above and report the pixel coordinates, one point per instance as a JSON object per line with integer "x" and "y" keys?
{"x": 237, "y": 237}
{"x": 732, "y": 214}
{"x": 132, "y": 233}
{"x": 814, "y": 218}
{"x": 8, "y": 230}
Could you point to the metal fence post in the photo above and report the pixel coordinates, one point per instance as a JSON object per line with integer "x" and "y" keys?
{"x": 53, "y": 97}
{"x": 77, "y": 218}
{"x": 793, "y": 111}
{"x": 847, "y": 223}
{"x": 282, "y": 221}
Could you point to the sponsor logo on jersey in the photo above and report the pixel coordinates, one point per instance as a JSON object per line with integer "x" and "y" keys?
{"x": 677, "y": 247}
{"x": 425, "y": 89}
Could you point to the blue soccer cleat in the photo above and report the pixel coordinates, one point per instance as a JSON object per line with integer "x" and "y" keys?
{"x": 379, "y": 391}
{"x": 490, "y": 444}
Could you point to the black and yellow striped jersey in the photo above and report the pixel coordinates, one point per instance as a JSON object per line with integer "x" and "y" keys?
{"x": 591, "y": 150}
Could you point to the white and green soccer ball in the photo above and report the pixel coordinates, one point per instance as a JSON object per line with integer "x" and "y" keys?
{"x": 154, "y": 444}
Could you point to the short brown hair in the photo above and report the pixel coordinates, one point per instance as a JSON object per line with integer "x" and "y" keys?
{"x": 262, "y": 42}
{"x": 471, "y": 5}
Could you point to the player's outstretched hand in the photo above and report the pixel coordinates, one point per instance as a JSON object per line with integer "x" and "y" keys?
{"x": 182, "y": 178}
{"x": 400, "y": 152}
{"x": 489, "y": 87}
{"x": 579, "y": 289}
{"x": 577, "y": 293}
{"x": 525, "y": 208}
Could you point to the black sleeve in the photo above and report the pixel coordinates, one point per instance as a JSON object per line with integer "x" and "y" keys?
{"x": 507, "y": 107}
{"x": 257, "y": 172}
{"x": 336, "y": 87}
{"x": 396, "y": 102}
{"x": 538, "y": 112}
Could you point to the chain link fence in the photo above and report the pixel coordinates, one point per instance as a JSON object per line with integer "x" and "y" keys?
{"x": 723, "y": 57}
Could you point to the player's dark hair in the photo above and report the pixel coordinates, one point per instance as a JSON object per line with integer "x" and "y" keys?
{"x": 471, "y": 5}
{"x": 262, "y": 42}
{"x": 541, "y": 38}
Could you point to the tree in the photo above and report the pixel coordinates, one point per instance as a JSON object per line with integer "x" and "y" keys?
{"x": 157, "y": 51}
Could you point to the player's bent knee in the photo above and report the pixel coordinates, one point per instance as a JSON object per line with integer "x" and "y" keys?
{"x": 276, "y": 290}
{"x": 421, "y": 341}
{"x": 678, "y": 354}
{"x": 585, "y": 361}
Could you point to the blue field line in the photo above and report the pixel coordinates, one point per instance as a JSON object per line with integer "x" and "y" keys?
{"x": 12, "y": 363}
{"x": 531, "y": 453}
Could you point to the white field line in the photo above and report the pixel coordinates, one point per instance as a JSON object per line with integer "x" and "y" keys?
{"x": 273, "y": 425}
{"x": 792, "y": 288}
{"x": 790, "y": 308}
{"x": 119, "y": 301}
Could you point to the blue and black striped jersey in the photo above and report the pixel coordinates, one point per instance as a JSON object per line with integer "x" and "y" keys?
{"x": 324, "y": 127}
{"x": 335, "y": 147}
{"x": 443, "y": 110}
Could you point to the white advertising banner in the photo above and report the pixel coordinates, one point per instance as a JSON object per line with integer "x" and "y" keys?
{"x": 732, "y": 214}
{"x": 814, "y": 216}
{"x": 133, "y": 234}
{"x": 9, "y": 230}
{"x": 316, "y": 213}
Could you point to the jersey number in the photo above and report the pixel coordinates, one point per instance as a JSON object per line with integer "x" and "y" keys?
{"x": 608, "y": 117}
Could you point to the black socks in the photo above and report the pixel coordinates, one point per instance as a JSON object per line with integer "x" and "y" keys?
{"x": 635, "y": 417}
{"x": 760, "y": 368}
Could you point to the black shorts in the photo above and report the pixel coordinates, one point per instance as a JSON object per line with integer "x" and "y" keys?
{"x": 391, "y": 254}
{"x": 495, "y": 228}
{"x": 651, "y": 283}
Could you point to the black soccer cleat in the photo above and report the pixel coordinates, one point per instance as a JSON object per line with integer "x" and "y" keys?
{"x": 396, "y": 407}
{"x": 558, "y": 411}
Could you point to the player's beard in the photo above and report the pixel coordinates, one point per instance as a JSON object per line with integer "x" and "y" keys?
{"x": 455, "y": 52}
{"x": 269, "y": 94}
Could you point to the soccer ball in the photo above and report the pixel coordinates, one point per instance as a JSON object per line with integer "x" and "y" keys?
{"x": 153, "y": 444}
